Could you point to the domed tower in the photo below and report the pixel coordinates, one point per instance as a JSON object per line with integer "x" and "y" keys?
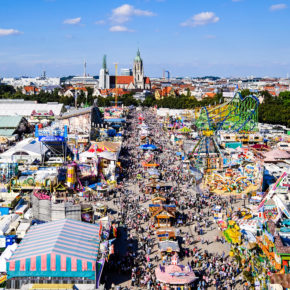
{"x": 138, "y": 71}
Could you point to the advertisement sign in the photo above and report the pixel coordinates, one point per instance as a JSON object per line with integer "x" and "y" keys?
{"x": 51, "y": 138}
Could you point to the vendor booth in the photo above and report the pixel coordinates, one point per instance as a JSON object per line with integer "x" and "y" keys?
{"x": 175, "y": 276}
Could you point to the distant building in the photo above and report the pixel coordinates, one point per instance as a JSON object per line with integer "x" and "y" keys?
{"x": 26, "y": 81}
{"x": 228, "y": 95}
{"x": 30, "y": 90}
{"x": 74, "y": 92}
{"x": 104, "y": 77}
{"x": 84, "y": 80}
{"x": 81, "y": 120}
{"x": 141, "y": 96}
{"x": 126, "y": 72}
{"x": 128, "y": 80}
{"x": 138, "y": 72}
{"x": 165, "y": 92}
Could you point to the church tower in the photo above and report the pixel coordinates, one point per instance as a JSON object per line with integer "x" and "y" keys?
{"x": 138, "y": 72}
{"x": 104, "y": 78}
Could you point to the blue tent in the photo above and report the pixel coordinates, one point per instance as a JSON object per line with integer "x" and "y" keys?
{"x": 115, "y": 120}
{"x": 148, "y": 147}
{"x": 111, "y": 132}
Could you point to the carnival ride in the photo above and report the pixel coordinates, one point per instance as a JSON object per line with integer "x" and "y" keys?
{"x": 280, "y": 184}
{"x": 242, "y": 180}
{"x": 240, "y": 115}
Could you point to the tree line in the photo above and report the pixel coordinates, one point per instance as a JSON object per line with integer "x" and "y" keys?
{"x": 273, "y": 110}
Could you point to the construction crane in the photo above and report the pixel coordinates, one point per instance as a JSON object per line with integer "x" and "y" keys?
{"x": 116, "y": 89}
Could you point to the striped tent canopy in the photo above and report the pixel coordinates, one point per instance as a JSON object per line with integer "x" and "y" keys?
{"x": 64, "y": 248}
{"x": 108, "y": 146}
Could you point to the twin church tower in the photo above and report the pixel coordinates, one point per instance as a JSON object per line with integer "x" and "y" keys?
{"x": 137, "y": 81}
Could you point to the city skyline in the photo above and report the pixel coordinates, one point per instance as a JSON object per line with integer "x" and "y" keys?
{"x": 223, "y": 38}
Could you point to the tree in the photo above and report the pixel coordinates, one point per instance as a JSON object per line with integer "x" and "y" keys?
{"x": 245, "y": 93}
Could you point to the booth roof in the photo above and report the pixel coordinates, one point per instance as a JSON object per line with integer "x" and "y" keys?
{"x": 164, "y": 245}
{"x": 175, "y": 275}
{"x": 276, "y": 154}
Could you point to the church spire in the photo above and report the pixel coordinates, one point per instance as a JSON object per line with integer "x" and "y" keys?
{"x": 105, "y": 62}
{"x": 138, "y": 56}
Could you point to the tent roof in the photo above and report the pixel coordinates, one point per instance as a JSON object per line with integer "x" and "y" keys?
{"x": 276, "y": 154}
{"x": 64, "y": 237}
{"x": 10, "y": 121}
{"x": 28, "y": 145}
{"x": 108, "y": 146}
{"x": 6, "y": 132}
{"x": 108, "y": 155}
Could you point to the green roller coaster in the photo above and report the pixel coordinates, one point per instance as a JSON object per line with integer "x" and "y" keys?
{"x": 239, "y": 114}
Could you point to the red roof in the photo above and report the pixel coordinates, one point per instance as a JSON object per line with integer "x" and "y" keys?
{"x": 260, "y": 146}
{"x": 80, "y": 89}
{"x": 166, "y": 91}
{"x": 31, "y": 89}
{"x": 147, "y": 80}
{"x": 210, "y": 95}
{"x": 269, "y": 88}
{"x": 113, "y": 91}
{"x": 125, "y": 79}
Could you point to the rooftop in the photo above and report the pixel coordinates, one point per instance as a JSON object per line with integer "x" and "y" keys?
{"x": 9, "y": 122}
{"x": 64, "y": 237}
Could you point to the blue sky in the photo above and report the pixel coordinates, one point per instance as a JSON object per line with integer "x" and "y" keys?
{"x": 186, "y": 37}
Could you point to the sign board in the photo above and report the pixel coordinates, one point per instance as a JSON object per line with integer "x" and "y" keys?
{"x": 51, "y": 138}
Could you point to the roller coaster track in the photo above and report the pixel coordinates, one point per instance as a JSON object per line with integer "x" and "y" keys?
{"x": 239, "y": 114}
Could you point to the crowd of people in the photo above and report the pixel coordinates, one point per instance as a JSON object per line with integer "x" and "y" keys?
{"x": 136, "y": 252}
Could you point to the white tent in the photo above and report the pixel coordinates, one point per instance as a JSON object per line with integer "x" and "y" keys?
{"x": 108, "y": 155}
{"x": 28, "y": 149}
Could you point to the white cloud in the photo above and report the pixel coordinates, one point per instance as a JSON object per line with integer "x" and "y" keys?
{"x": 125, "y": 12}
{"x": 201, "y": 19}
{"x": 100, "y": 22}
{"x": 6, "y": 32}
{"x": 278, "y": 7}
{"x": 210, "y": 36}
{"x": 120, "y": 28}
{"x": 72, "y": 20}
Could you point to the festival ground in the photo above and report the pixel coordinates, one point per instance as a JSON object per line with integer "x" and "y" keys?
{"x": 202, "y": 246}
